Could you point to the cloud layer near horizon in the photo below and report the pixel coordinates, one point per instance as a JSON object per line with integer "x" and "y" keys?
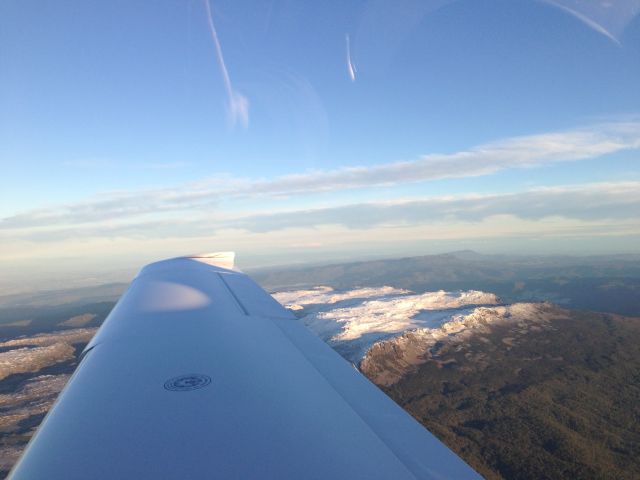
{"x": 614, "y": 202}
{"x": 600, "y": 201}
{"x": 514, "y": 153}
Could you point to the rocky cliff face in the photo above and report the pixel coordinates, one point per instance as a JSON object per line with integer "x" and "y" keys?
{"x": 389, "y": 360}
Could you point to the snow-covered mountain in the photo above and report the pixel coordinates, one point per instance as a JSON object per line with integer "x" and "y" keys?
{"x": 351, "y": 321}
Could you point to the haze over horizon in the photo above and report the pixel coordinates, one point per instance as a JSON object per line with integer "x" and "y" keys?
{"x": 289, "y": 132}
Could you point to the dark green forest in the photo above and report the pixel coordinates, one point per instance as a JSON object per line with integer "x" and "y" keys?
{"x": 562, "y": 403}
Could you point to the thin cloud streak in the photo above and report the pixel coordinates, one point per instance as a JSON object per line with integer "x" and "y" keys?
{"x": 238, "y": 103}
{"x": 520, "y": 152}
{"x": 351, "y": 69}
{"x": 608, "y": 18}
{"x": 589, "y": 22}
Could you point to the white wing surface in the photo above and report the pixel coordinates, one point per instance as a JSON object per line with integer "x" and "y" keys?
{"x": 198, "y": 373}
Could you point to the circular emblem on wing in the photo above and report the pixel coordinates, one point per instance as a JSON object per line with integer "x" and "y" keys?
{"x": 185, "y": 383}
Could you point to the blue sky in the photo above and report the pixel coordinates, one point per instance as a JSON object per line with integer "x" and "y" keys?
{"x": 119, "y": 136}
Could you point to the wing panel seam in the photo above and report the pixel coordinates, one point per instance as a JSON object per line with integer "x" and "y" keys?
{"x": 235, "y": 297}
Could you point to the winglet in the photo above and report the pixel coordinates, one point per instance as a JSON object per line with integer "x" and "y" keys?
{"x": 217, "y": 259}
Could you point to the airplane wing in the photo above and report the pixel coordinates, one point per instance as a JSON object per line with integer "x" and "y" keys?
{"x": 198, "y": 373}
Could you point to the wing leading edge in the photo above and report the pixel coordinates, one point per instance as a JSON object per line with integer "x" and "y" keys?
{"x": 199, "y": 373}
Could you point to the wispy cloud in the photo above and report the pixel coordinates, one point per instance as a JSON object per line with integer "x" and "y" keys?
{"x": 351, "y": 68}
{"x": 520, "y": 152}
{"x": 238, "y": 103}
{"x": 589, "y": 22}
{"x": 607, "y": 18}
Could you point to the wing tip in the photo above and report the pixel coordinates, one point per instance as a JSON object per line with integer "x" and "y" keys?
{"x": 216, "y": 259}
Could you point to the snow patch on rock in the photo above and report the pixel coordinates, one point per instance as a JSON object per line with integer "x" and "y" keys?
{"x": 296, "y": 299}
{"x": 353, "y": 320}
{"x": 398, "y": 314}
